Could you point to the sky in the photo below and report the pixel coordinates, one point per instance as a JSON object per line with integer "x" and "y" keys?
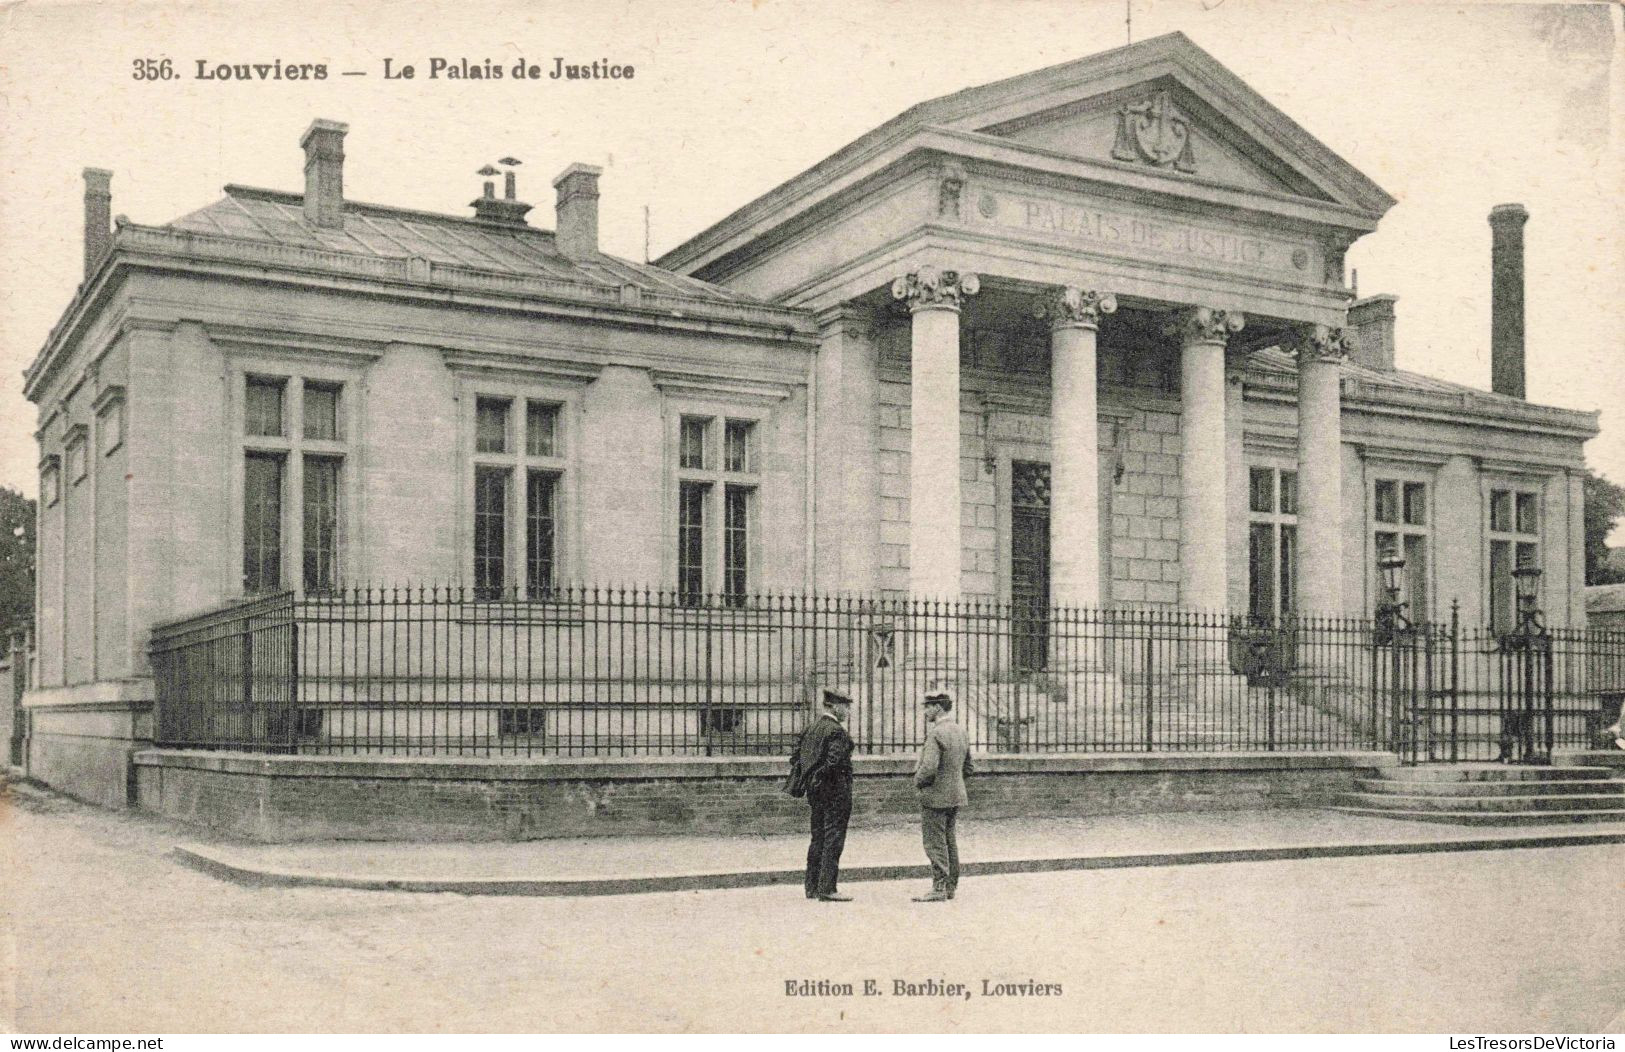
{"x": 1452, "y": 108}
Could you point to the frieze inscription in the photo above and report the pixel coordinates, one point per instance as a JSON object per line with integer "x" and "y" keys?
{"x": 1124, "y": 233}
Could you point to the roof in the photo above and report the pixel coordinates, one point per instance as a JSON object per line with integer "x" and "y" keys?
{"x": 1401, "y": 388}
{"x": 1605, "y": 598}
{"x": 1273, "y": 359}
{"x": 382, "y": 232}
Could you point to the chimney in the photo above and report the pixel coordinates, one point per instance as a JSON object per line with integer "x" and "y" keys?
{"x": 507, "y": 209}
{"x": 576, "y": 234}
{"x": 323, "y": 143}
{"x": 1506, "y": 299}
{"x": 1371, "y": 323}
{"x": 98, "y": 217}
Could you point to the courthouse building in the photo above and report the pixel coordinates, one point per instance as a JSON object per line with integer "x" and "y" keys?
{"x": 1083, "y": 337}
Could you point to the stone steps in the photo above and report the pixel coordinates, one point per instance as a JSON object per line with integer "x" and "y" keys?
{"x": 1489, "y": 794}
{"x": 1513, "y": 787}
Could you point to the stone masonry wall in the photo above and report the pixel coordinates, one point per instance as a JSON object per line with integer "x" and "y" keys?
{"x": 317, "y": 798}
{"x": 1144, "y": 500}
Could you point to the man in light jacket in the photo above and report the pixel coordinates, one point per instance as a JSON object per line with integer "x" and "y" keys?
{"x": 940, "y": 778}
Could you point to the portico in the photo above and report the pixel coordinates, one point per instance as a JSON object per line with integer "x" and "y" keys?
{"x": 1045, "y": 284}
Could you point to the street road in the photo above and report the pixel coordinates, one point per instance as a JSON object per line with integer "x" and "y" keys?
{"x": 106, "y": 934}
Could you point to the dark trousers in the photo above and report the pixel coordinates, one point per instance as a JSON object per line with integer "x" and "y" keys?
{"x": 831, "y": 809}
{"x": 941, "y": 845}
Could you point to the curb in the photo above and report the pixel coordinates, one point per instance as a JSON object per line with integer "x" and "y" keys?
{"x": 201, "y": 859}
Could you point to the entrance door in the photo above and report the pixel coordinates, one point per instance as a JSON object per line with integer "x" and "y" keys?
{"x": 1029, "y": 564}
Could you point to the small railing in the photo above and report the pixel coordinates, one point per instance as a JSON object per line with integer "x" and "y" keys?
{"x": 615, "y": 672}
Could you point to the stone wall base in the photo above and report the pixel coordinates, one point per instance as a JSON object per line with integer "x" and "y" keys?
{"x": 278, "y": 799}
{"x": 85, "y": 750}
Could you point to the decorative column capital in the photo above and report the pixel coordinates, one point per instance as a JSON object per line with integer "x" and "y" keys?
{"x": 1319, "y": 343}
{"x": 1206, "y": 325}
{"x": 1071, "y": 307}
{"x": 929, "y": 288}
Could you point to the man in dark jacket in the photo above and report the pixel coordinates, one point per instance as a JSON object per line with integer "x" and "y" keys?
{"x": 940, "y": 777}
{"x": 824, "y": 763}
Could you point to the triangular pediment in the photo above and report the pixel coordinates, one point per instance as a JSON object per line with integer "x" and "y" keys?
{"x": 1158, "y": 124}
{"x": 1162, "y": 105}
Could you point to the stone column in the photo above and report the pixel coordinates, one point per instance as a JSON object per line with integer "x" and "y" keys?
{"x": 1320, "y": 351}
{"x": 1203, "y": 546}
{"x": 933, "y": 298}
{"x": 1074, "y": 517}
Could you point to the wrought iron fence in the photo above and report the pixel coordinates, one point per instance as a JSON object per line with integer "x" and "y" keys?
{"x": 602, "y": 672}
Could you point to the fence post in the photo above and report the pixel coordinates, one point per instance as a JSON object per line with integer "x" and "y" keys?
{"x": 1150, "y": 680}
{"x": 1455, "y": 680}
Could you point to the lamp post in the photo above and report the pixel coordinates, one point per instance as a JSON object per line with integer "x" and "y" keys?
{"x": 1527, "y": 669}
{"x": 1391, "y": 619}
{"x": 1393, "y": 629}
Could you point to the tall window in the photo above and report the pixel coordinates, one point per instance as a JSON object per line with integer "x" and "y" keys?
{"x": 1514, "y": 517}
{"x": 717, "y": 483}
{"x": 490, "y": 531}
{"x": 1272, "y": 542}
{"x": 691, "y": 502}
{"x": 262, "y": 522}
{"x": 541, "y": 495}
{"x": 321, "y": 514}
{"x": 518, "y": 479}
{"x": 736, "y": 544}
{"x": 292, "y": 482}
{"x": 1401, "y": 518}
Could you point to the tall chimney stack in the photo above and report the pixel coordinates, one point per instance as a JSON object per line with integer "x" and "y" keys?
{"x": 1506, "y": 299}
{"x": 323, "y": 143}
{"x": 576, "y": 234}
{"x": 98, "y": 216}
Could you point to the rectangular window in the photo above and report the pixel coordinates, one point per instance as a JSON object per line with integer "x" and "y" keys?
{"x": 521, "y": 722}
{"x": 1514, "y": 545}
{"x": 691, "y": 452}
{"x": 1272, "y": 542}
{"x": 691, "y": 541}
{"x": 322, "y": 411}
{"x": 1416, "y": 504}
{"x": 1289, "y": 493}
{"x": 1289, "y": 567}
{"x": 541, "y": 429}
{"x": 540, "y": 533}
{"x": 736, "y": 544}
{"x": 1416, "y": 576}
{"x": 262, "y": 407}
{"x": 1386, "y": 507}
{"x": 490, "y": 532}
{"x": 1528, "y": 519}
{"x": 1501, "y": 591}
{"x": 262, "y": 522}
{"x": 736, "y": 446}
{"x": 1261, "y": 489}
{"x": 1261, "y": 570}
{"x": 491, "y": 425}
{"x": 1501, "y": 511}
{"x": 321, "y": 519}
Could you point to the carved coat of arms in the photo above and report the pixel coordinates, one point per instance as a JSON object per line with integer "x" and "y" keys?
{"x": 1154, "y": 132}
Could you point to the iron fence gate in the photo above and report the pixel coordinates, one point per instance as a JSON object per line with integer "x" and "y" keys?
{"x": 1474, "y": 694}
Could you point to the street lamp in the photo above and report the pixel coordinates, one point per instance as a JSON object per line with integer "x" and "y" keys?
{"x": 1390, "y": 610}
{"x": 1528, "y": 676}
{"x": 1527, "y": 579}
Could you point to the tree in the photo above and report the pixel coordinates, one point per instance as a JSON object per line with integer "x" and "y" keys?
{"x": 1604, "y": 504}
{"x": 16, "y": 563}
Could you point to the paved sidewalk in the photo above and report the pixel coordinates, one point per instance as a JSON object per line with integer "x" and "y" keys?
{"x": 622, "y": 865}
